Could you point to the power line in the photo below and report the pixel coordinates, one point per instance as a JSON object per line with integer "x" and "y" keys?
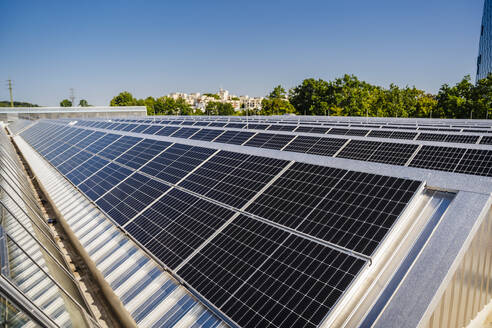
{"x": 72, "y": 96}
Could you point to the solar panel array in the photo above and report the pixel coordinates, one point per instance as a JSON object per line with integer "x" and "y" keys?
{"x": 347, "y": 144}
{"x": 264, "y": 241}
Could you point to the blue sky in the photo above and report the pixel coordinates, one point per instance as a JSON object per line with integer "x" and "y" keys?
{"x": 100, "y": 48}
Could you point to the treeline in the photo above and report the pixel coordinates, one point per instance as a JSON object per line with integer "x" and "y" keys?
{"x": 345, "y": 96}
{"x": 5, "y": 103}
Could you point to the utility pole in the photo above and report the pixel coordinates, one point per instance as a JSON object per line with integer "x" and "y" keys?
{"x": 72, "y": 96}
{"x": 11, "y": 96}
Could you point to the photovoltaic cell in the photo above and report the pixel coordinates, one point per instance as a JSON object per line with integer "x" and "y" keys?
{"x": 100, "y": 143}
{"x": 177, "y": 224}
{"x": 152, "y": 129}
{"x": 380, "y": 134}
{"x": 176, "y": 161}
{"x": 438, "y": 158}
{"x": 261, "y": 276}
{"x": 233, "y": 178}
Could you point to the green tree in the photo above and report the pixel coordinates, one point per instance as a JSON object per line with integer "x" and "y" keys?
{"x": 125, "y": 98}
{"x": 219, "y": 108}
{"x": 276, "y": 103}
{"x": 83, "y": 103}
{"x": 66, "y": 103}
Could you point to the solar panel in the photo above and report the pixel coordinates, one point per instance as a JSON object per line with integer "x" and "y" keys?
{"x": 184, "y": 133}
{"x": 167, "y": 131}
{"x": 274, "y": 127}
{"x": 359, "y": 211}
{"x": 235, "y": 125}
{"x": 354, "y": 132}
{"x": 403, "y": 135}
{"x": 431, "y": 137}
{"x": 118, "y": 147}
{"x": 73, "y": 162}
{"x": 311, "y": 129}
{"x": 477, "y": 162}
{"x": 393, "y": 153}
{"x": 335, "y": 205}
{"x": 101, "y": 143}
{"x": 315, "y": 145}
{"x": 177, "y": 224}
{"x": 380, "y": 134}
{"x": 296, "y": 193}
{"x": 338, "y": 131}
{"x": 130, "y": 196}
{"x": 270, "y": 141}
{"x": 103, "y": 180}
{"x": 486, "y": 140}
{"x": 176, "y": 161}
{"x": 234, "y": 137}
{"x": 217, "y": 124}
{"x": 257, "y": 126}
{"x": 206, "y": 134}
{"x": 458, "y": 138}
{"x": 86, "y": 168}
{"x": 233, "y": 178}
{"x": 142, "y": 153}
{"x": 152, "y": 129}
{"x": 261, "y": 276}
{"x": 438, "y": 158}
{"x": 359, "y": 149}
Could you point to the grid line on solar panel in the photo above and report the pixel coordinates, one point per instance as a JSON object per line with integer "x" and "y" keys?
{"x": 234, "y": 137}
{"x": 311, "y": 129}
{"x": 233, "y": 178}
{"x": 130, "y": 196}
{"x": 437, "y": 158}
{"x": 176, "y": 225}
{"x": 176, "y": 161}
{"x": 274, "y": 127}
{"x": 261, "y": 276}
{"x": 476, "y": 162}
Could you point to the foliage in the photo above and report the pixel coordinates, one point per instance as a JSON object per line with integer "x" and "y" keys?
{"x": 83, "y": 103}
{"x": 125, "y": 98}
{"x": 219, "y": 108}
{"x": 277, "y": 103}
{"x": 66, "y": 103}
{"x": 345, "y": 96}
{"x": 213, "y": 95}
{"x": 5, "y": 103}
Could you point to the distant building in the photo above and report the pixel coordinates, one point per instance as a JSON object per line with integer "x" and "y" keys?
{"x": 199, "y": 101}
{"x": 484, "y": 61}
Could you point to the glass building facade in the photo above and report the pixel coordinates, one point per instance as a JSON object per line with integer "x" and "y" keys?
{"x": 484, "y": 61}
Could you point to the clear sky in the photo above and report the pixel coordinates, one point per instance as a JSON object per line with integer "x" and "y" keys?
{"x": 149, "y": 47}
